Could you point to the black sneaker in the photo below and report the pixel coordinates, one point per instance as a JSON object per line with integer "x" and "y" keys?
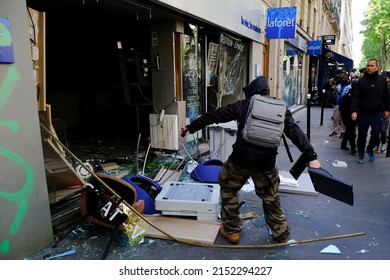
{"x": 333, "y": 134}
{"x": 344, "y": 148}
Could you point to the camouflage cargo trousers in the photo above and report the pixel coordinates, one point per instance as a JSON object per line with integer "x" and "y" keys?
{"x": 232, "y": 178}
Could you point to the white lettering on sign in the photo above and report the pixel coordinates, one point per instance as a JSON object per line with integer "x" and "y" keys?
{"x": 106, "y": 209}
{"x": 117, "y": 210}
{"x": 92, "y": 188}
{"x": 314, "y": 47}
{"x": 238, "y": 46}
{"x": 235, "y": 44}
{"x": 226, "y": 41}
{"x": 137, "y": 233}
{"x": 280, "y": 23}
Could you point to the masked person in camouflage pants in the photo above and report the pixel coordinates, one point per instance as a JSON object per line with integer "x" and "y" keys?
{"x": 248, "y": 160}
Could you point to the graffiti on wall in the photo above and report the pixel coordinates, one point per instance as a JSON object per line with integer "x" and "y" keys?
{"x": 18, "y": 194}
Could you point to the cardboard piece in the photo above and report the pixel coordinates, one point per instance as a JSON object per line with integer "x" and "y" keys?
{"x": 289, "y": 185}
{"x": 187, "y": 229}
{"x": 304, "y": 184}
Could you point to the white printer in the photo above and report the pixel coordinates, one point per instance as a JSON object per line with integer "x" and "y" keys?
{"x": 189, "y": 199}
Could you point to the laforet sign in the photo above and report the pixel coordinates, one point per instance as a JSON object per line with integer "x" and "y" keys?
{"x": 314, "y": 47}
{"x": 281, "y": 22}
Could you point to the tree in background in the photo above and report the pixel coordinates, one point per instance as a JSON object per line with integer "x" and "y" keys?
{"x": 376, "y": 42}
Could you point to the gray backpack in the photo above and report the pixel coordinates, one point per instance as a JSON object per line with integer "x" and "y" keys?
{"x": 265, "y": 121}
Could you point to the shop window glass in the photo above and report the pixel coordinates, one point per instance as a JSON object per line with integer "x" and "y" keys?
{"x": 292, "y": 76}
{"x": 190, "y": 73}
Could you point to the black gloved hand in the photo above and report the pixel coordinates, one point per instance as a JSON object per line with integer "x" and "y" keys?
{"x": 184, "y": 131}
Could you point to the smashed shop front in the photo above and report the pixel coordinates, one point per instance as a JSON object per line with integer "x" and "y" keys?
{"x": 292, "y": 79}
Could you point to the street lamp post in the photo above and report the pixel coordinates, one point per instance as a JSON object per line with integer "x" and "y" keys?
{"x": 322, "y": 106}
{"x": 388, "y": 150}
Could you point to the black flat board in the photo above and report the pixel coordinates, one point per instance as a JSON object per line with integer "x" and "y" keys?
{"x": 330, "y": 186}
{"x": 299, "y": 166}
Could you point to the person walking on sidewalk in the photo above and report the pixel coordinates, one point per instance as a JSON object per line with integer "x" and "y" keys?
{"x": 328, "y": 98}
{"x": 345, "y": 110}
{"x": 385, "y": 122}
{"x": 370, "y": 103}
{"x": 342, "y": 89}
{"x": 248, "y": 160}
{"x": 349, "y": 124}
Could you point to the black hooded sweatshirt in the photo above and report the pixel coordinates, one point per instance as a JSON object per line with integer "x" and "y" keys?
{"x": 244, "y": 154}
{"x": 371, "y": 94}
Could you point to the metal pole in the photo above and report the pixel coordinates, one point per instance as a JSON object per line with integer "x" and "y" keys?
{"x": 308, "y": 116}
{"x": 322, "y": 106}
{"x": 388, "y": 139}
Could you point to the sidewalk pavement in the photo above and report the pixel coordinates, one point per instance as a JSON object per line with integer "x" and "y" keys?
{"x": 311, "y": 217}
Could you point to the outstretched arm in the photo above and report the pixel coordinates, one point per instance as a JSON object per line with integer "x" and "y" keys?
{"x": 314, "y": 164}
{"x": 184, "y": 131}
{"x": 220, "y": 115}
{"x": 299, "y": 139}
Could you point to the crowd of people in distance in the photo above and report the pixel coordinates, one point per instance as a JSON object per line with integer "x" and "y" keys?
{"x": 361, "y": 104}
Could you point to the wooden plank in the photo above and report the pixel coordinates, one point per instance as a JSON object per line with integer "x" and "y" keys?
{"x": 248, "y": 215}
{"x": 109, "y": 165}
{"x": 46, "y": 120}
{"x": 190, "y": 230}
{"x": 55, "y": 165}
{"x": 60, "y": 194}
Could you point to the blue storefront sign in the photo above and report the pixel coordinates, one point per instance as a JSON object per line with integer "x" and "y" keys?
{"x": 314, "y": 47}
{"x": 281, "y": 22}
{"x": 291, "y": 51}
